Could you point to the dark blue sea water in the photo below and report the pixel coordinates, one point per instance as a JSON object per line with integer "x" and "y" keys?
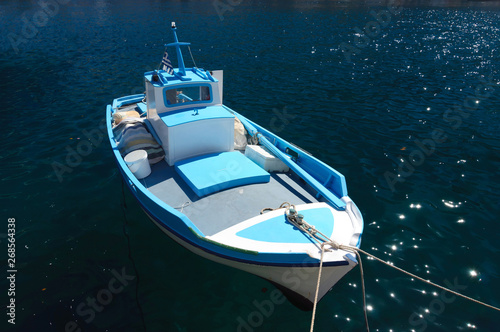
{"x": 403, "y": 98}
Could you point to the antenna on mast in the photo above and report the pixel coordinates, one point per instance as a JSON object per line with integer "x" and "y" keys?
{"x": 177, "y": 45}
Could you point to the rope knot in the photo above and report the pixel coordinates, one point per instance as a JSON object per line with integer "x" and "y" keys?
{"x": 332, "y": 244}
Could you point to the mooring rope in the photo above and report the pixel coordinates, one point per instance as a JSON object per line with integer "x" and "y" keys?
{"x": 424, "y": 280}
{"x": 125, "y": 232}
{"x": 298, "y": 221}
{"x": 317, "y": 288}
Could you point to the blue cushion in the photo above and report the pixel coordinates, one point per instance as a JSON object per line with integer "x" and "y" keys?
{"x": 215, "y": 172}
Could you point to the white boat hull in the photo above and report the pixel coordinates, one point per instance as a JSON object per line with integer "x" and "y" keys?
{"x": 298, "y": 283}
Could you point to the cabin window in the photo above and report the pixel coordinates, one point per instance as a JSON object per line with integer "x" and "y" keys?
{"x": 187, "y": 94}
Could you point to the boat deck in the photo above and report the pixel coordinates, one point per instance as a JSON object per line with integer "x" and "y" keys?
{"x": 218, "y": 211}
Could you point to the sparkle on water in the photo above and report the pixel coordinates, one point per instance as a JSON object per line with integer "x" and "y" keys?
{"x": 429, "y": 206}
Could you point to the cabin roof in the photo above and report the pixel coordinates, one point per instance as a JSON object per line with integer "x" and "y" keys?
{"x": 193, "y": 75}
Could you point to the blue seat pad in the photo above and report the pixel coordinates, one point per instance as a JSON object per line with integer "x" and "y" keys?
{"x": 215, "y": 172}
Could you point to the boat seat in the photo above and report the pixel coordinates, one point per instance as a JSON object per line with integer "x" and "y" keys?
{"x": 211, "y": 173}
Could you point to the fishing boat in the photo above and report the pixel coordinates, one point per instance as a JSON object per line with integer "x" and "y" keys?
{"x": 228, "y": 189}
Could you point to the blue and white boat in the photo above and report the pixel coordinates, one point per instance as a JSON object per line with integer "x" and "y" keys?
{"x": 206, "y": 175}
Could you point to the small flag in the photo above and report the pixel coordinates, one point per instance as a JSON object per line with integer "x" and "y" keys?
{"x": 167, "y": 65}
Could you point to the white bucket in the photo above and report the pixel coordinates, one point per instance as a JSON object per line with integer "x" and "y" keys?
{"x": 137, "y": 162}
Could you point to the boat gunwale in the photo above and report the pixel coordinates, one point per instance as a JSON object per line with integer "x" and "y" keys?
{"x": 305, "y": 160}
